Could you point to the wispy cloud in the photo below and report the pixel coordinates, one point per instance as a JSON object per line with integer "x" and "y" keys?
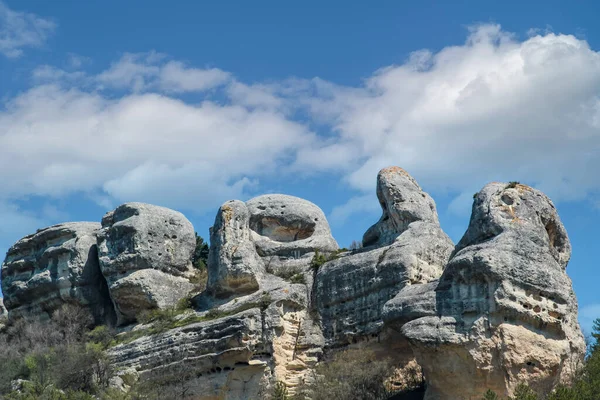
{"x": 19, "y": 30}
{"x": 151, "y": 71}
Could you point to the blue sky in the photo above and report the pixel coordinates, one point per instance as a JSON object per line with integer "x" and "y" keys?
{"x": 190, "y": 104}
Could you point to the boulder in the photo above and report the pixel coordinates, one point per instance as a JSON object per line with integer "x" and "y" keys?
{"x": 287, "y": 226}
{"x": 406, "y": 247}
{"x": 505, "y": 311}
{"x": 53, "y": 266}
{"x": 266, "y": 236}
{"x": 145, "y": 254}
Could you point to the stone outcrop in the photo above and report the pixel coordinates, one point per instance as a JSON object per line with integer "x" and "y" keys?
{"x": 494, "y": 310}
{"x": 3, "y": 314}
{"x": 55, "y": 265}
{"x": 505, "y": 311}
{"x": 145, "y": 254}
{"x": 268, "y": 234}
{"x": 406, "y": 247}
{"x": 236, "y": 350}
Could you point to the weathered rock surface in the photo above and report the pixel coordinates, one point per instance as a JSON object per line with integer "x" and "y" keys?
{"x": 55, "y": 265}
{"x": 406, "y": 247}
{"x": 262, "y": 338}
{"x": 3, "y": 314}
{"x": 145, "y": 254}
{"x": 495, "y": 310}
{"x": 403, "y": 202}
{"x": 267, "y": 235}
{"x": 233, "y": 263}
{"x": 505, "y": 309}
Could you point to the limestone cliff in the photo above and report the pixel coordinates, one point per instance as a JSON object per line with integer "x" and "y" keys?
{"x": 504, "y": 310}
{"x": 494, "y": 310}
{"x": 53, "y": 266}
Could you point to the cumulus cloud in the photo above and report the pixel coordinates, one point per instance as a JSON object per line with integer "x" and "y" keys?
{"x": 494, "y": 108}
{"x": 19, "y": 30}
{"x": 57, "y": 141}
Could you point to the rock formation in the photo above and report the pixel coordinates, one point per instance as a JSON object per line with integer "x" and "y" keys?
{"x": 3, "y": 314}
{"x": 145, "y": 254}
{"x": 495, "y": 310}
{"x": 267, "y": 333}
{"x": 55, "y": 265}
{"x": 406, "y": 247}
{"x": 505, "y": 311}
{"x": 270, "y": 232}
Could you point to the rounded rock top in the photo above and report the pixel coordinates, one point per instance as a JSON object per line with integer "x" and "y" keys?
{"x": 285, "y": 218}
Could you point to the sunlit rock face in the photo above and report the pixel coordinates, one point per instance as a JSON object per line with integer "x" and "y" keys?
{"x": 495, "y": 310}
{"x": 405, "y": 247}
{"x": 145, "y": 254}
{"x": 3, "y": 314}
{"x": 251, "y": 242}
{"x": 505, "y": 311}
{"x": 54, "y": 266}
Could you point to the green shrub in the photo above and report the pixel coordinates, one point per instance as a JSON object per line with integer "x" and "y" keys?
{"x": 524, "y": 392}
{"x": 319, "y": 259}
{"x": 280, "y": 391}
{"x": 298, "y": 278}
{"x": 490, "y": 395}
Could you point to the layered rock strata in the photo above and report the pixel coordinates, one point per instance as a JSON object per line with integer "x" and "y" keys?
{"x": 505, "y": 311}
{"x": 495, "y": 310}
{"x": 145, "y": 254}
{"x": 406, "y": 247}
{"x": 54, "y": 266}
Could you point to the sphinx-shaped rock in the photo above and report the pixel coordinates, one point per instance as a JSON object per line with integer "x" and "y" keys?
{"x": 406, "y": 247}
{"x": 403, "y": 202}
{"x": 505, "y": 308}
{"x": 251, "y": 241}
{"x": 145, "y": 254}
{"x": 53, "y": 266}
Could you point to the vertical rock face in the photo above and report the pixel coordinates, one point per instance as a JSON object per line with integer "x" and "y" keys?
{"x": 251, "y": 241}
{"x": 406, "y": 247}
{"x": 56, "y": 265}
{"x": 505, "y": 309}
{"x": 145, "y": 254}
{"x": 233, "y": 264}
{"x": 3, "y": 314}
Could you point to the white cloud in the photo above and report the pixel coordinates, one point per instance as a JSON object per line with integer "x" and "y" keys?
{"x": 176, "y": 77}
{"x": 494, "y": 108}
{"x": 150, "y": 71}
{"x": 147, "y": 147}
{"x": 19, "y": 30}
{"x": 360, "y": 204}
